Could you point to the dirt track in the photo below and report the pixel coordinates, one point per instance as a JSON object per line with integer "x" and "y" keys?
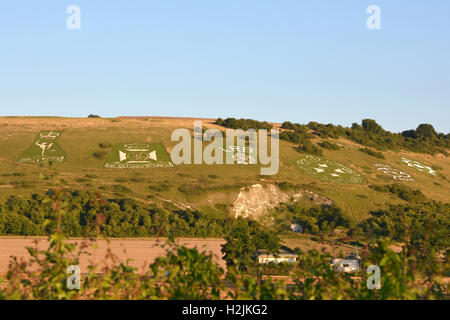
{"x": 141, "y": 251}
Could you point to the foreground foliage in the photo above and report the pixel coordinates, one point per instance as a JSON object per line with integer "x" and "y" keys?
{"x": 414, "y": 272}
{"x": 185, "y": 273}
{"x": 188, "y": 274}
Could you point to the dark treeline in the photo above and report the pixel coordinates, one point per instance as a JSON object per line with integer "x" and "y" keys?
{"x": 424, "y": 139}
{"x": 84, "y": 214}
{"x": 243, "y": 124}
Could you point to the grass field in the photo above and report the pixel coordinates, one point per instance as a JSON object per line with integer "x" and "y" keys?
{"x": 88, "y": 144}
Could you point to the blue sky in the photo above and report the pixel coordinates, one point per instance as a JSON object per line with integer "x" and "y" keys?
{"x": 272, "y": 60}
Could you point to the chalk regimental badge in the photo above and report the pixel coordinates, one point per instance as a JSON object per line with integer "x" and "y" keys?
{"x": 138, "y": 155}
{"x": 45, "y": 149}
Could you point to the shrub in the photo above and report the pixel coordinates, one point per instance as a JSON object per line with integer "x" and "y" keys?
{"x": 372, "y": 153}
{"x": 295, "y": 137}
{"x": 100, "y": 155}
{"x": 105, "y": 145}
{"x": 329, "y": 145}
{"x": 403, "y": 192}
{"x": 309, "y": 148}
{"x": 161, "y": 187}
{"x": 121, "y": 189}
{"x": 285, "y": 186}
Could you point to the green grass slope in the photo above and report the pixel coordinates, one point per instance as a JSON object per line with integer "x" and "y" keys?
{"x": 87, "y": 144}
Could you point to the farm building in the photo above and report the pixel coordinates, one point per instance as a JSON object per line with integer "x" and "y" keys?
{"x": 263, "y": 257}
{"x": 349, "y": 264}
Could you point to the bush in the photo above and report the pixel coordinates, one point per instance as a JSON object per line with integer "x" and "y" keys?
{"x": 372, "y": 153}
{"x": 161, "y": 187}
{"x": 285, "y": 186}
{"x": 105, "y": 145}
{"x": 329, "y": 145}
{"x": 309, "y": 148}
{"x": 121, "y": 189}
{"x": 403, "y": 192}
{"x": 100, "y": 155}
{"x": 295, "y": 137}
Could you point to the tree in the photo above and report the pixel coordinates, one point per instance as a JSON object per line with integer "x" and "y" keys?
{"x": 426, "y": 130}
{"x": 187, "y": 274}
{"x": 244, "y": 240}
{"x": 371, "y": 125}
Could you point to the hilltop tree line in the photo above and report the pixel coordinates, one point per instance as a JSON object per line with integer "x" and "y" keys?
{"x": 243, "y": 124}
{"x": 424, "y": 139}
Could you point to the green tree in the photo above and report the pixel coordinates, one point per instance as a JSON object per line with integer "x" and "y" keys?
{"x": 244, "y": 240}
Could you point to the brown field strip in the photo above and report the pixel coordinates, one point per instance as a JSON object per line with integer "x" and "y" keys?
{"x": 141, "y": 251}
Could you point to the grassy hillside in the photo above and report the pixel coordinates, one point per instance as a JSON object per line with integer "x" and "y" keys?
{"x": 87, "y": 142}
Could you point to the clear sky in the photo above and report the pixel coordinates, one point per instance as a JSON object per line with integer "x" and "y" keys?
{"x": 275, "y": 60}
